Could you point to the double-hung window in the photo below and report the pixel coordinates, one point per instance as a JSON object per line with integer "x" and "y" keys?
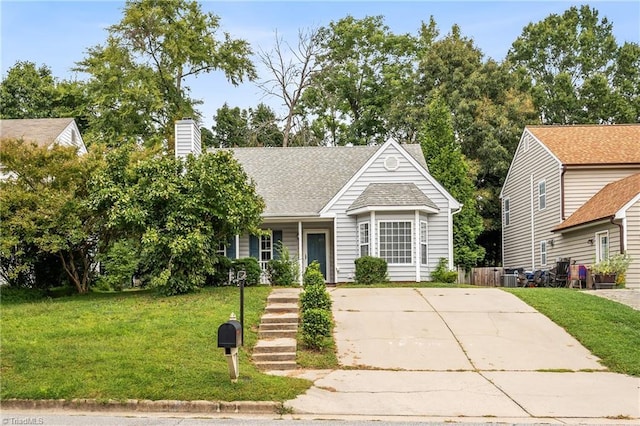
{"x": 363, "y": 238}
{"x": 602, "y": 249}
{"x": 507, "y": 211}
{"x": 543, "y": 252}
{"x": 265, "y": 248}
{"x": 395, "y": 242}
{"x": 423, "y": 243}
{"x": 542, "y": 195}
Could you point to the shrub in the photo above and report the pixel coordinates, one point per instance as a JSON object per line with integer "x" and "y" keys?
{"x": 442, "y": 273}
{"x": 252, "y": 267}
{"x": 370, "y": 270}
{"x": 283, "y": 270}
{"x": 221, "y": 275}
{"x": 315, "y": 297}
{"x": 119, "y": 263}
{"x": 316, "y": 325}
{"x": 313, "y": 275}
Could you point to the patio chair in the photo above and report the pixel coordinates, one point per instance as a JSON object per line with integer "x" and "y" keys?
{"x": 559, "y": 275}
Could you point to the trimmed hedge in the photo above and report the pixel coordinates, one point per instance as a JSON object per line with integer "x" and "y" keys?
{"x": 312, "y": 275}
{"x": 316, "y": 325}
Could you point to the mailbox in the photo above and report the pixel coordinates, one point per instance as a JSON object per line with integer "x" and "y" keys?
{"x": 230, "y": 334}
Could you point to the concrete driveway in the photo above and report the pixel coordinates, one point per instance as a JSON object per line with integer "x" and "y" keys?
{"x": 464, "y": 355}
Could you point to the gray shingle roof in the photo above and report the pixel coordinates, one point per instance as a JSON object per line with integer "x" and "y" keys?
{"x": 300, "y": 181}
{"x": 42, "y": 131}
{"x": 392, "y": 194}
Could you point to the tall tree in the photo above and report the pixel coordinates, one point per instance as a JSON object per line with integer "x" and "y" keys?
{"x": 231, "y": 127}
{"x": 571, "y": 61}
{"x": 448, "y": 165}
{"x": 263, "y": 127}
{"x": 138, "y": 78}
{"x": 291, "y": 69}
{"x": 360, "y": 65}
{"x": 45, "y": 208}
{"x": 29, "y": 91}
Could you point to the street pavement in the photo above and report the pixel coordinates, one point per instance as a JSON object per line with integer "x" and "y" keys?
{"x": 461, "y": 355}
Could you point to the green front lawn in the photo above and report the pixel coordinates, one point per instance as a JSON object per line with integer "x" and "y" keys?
{"x": 608, "y": 329}
{"x": 133, "y": 345}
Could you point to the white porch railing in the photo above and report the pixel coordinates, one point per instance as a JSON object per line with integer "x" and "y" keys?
{"x": 264, "y": 278}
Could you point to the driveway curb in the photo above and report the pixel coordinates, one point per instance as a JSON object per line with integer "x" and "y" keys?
{"x": 142, "y": 405}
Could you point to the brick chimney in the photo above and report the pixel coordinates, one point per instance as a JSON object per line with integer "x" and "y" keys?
{"x": 187, "y": 138}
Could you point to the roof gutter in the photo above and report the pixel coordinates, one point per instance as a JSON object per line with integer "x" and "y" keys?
{"x": 620, "y": 225}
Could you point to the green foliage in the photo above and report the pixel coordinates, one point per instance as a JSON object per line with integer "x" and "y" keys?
{"x": 251, "y": 266}
{"x": 448, "y": 166}
{"x": 138, "y": 76}
{"x": 120, "y": 263}
{"x": 316, "y": 325}
{"x": 615, "y": 264}
{"x": 442, "y": 274}
{"x": 370, "y": 270}
{"x": 221, "y": 275}
{"x": 283, "y": 270}
{"x": 575, "y": 67}
{"x": 10, "y": 295}
{"x": 315, "y": 297}
{"x": 312, "y": 275}
{"x": 45, "y": 210}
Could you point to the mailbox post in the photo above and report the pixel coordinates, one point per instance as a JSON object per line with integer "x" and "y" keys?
{"x": 230, "y": 338}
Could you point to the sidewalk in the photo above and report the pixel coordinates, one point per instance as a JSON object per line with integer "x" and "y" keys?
{"x": 627, "y": 296}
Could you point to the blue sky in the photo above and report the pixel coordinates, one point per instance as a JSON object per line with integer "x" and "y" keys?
{"x": 58, "y": 33}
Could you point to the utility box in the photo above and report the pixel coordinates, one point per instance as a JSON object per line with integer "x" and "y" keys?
{"x": 230, "y": 334}
{"x": 510, "y": 278}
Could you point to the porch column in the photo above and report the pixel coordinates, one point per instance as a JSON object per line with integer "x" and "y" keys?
{"x": 416, "y": 234}
{"x": 237, "y": 246}
{"x": 300, "y": 260}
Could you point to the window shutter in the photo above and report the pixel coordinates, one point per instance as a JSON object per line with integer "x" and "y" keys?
{"x": 277, "y": 239}
{"x": 254, "y": 247}
{"x": 231, "y": 249}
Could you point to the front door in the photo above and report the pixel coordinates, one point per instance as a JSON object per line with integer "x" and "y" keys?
{"x": 317, "y": 249}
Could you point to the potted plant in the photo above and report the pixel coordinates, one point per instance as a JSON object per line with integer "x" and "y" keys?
{"x": 606, "y": 272}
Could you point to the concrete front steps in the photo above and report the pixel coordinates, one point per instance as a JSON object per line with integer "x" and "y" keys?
{"x": 276, "y": 347}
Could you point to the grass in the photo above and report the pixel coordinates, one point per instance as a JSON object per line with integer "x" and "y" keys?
{"x": 322, "y": 359}
{"x": 133, "y": 345}
{"x": 608, "y": 329}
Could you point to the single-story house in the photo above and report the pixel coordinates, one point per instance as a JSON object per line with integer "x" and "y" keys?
{"x": 335, "y": 204}
{"x": 573, "y": 192}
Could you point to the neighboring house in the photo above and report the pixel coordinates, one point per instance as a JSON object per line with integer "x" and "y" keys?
{"x": 573, "y": 192}
{"x": 43, "y": 132}
{"x": 335, "y": 204}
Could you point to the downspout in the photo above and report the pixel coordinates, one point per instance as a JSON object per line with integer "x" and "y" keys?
{"x": 300, "y": 259}
{"x": 564, "y": 170}
{"x": 621, "y": 228}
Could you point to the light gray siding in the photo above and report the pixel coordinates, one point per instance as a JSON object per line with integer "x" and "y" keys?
{"x": 528, "y": 224}
{"x": 346, "y": 226}
{"x": 633, "y": 245}
{"x": 70, "y": 136}
{"x": 583, "y": 183}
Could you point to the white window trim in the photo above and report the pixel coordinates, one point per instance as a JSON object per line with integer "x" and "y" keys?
{"x": 222, "y": 252}
{"x": 270, "y": 251}
{"x": 411, "y": 230}
{"x": 599, "y": 255}
{"x": 506, "y": 207}
{"x": 361, "y": 243}
{"x": 542, "y": 196}
{"x": 543, "y": 252}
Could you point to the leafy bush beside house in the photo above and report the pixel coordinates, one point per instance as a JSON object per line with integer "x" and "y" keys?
{"x": 312, "y": 275}
{"x": 283, "y": 270}
{"x": 442, "y": 273}
{"x": 370, "y": 270}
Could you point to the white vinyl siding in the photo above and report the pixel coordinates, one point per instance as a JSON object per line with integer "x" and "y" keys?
{"x": 394, "y": 242}
{"x": 527, "y": 224}
{"x": 347, "y": 226}
{"x": 633, "y": 246}
{"x": 580, "y": 184}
